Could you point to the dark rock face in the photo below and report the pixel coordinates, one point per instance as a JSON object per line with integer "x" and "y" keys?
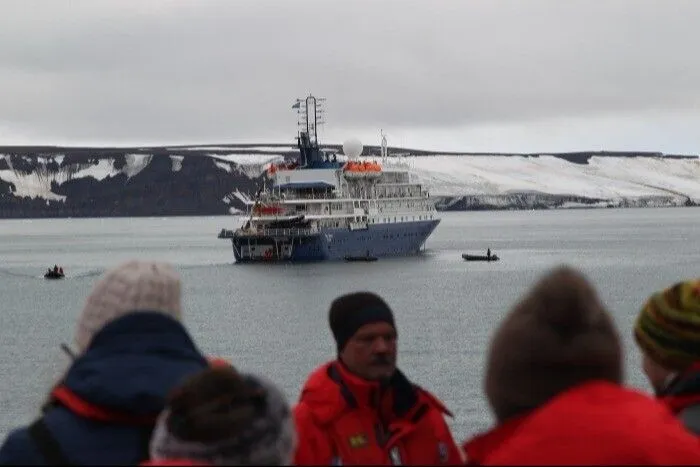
{"x": 199, "y": 187}
{"x": 6, "y": 188}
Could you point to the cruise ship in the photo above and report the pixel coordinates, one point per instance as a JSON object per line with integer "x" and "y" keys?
{"x": 328, "y": 206}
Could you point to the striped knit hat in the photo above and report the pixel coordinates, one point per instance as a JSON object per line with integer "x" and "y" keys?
{"x": 668, "y": 327}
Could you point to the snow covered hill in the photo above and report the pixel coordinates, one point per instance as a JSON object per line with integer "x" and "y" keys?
{"x": 59, "y": 177}
{"x": 605, "y": 180}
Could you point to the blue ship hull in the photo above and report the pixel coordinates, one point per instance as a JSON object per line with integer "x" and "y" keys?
{"x": 378, "y": 240}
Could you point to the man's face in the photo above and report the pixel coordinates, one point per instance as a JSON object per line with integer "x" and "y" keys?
{"x": 371, "y": 352}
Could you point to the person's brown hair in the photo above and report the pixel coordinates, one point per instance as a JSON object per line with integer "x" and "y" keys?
{"x": 210, "y": 405}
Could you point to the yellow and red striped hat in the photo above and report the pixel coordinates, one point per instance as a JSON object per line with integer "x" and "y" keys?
{"x": 668, "y": 326}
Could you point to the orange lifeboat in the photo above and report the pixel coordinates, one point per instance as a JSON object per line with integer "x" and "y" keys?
{"x": 362, "y": 169}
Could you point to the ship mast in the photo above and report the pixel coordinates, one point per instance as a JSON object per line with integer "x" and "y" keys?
{"x": 310, "y": 114}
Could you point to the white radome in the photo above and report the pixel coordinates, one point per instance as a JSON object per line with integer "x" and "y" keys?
{"x": 352, "y": 148}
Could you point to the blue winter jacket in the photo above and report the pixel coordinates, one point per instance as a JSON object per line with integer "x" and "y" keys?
{"x": 129, "y": 367}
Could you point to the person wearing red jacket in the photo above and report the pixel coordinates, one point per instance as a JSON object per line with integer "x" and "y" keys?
{"x": 554, "y": 383}
{"x": 359, "y": 408}
{"x": 668, "y": 333}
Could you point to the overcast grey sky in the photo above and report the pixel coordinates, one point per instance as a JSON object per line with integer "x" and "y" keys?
{"x": 483, "y": 75}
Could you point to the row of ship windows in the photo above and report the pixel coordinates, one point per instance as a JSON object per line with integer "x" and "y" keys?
{"x": 403, "y": 202}
{"x": 383, "y": 220}
{"x": 399, "y": 208}
{"x": 400, "y": 219}
{"x": 336, "y": 208}
{"x": 386, "y": 236}
{"x": 387, "y": 206}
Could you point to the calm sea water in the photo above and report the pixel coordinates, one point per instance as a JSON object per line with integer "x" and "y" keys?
{"x": 272, "y": 318}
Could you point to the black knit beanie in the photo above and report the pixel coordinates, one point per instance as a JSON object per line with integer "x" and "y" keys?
{"x": 350, "y": 312}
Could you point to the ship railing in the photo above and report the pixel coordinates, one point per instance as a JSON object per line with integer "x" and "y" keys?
{"x": 289, "y": 196}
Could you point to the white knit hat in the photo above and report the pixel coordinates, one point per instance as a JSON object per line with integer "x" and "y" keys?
{"x": 131, "y": 286}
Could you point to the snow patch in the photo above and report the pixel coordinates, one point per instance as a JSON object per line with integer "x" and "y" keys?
{"x": 176, "y": 163}
{"x": 244, "y": 198}
{"x": 237, "y": 148}
{"x": 248, "y": 159}
{"x": 135, "y": 163}
{"x": 103, "y": 169}
{"x": 34, "y": 185}
{"x": 200, "y": 148}
{"x": 251, "y": 165}
{"x": 273, "y": 148}
{"x": 223, "y": 165}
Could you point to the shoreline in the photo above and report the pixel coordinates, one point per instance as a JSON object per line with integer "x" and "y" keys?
{"x": 239, "y": 214}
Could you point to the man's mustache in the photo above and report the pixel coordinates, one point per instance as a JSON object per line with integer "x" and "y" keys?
{"x": 381, "y": 359}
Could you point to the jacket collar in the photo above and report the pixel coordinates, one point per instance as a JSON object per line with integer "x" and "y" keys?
{"x": 683, "y": 389}
{"x": 478, "y": 448}
{"x": 683, "y": 383}
{"x": 397, "y": 396}
{"x": 332, "y": 390}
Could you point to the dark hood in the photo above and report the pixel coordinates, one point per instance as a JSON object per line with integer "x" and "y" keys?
{"x": 134, "y": 362}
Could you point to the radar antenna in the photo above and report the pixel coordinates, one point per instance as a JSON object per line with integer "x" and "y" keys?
{"x": 385, "y": 149}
